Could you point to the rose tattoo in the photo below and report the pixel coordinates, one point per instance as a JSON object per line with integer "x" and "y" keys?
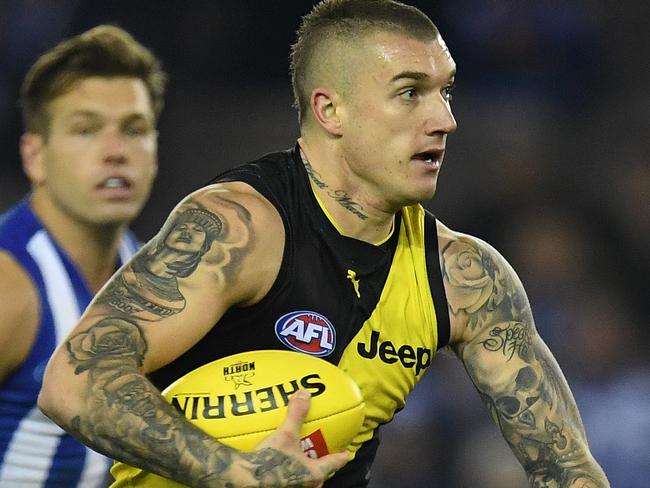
{"x": 108, "y": 339}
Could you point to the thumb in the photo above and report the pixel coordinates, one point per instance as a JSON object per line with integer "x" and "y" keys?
{"x": 331, "y": 463}
{"x": 297, "y": 412}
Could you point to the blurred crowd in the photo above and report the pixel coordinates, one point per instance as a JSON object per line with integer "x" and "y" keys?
{"x": 550, "y": 164}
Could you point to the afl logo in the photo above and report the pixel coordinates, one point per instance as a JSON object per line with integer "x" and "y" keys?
{"x": 307, "y": 332}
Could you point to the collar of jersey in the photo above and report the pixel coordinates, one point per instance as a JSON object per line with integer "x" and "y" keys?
{"x": 339, "y": 228}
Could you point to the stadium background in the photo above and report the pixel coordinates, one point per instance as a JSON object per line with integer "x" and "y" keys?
{"x": 549, "y": 164}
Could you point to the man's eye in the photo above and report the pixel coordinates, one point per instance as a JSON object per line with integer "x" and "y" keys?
{"x": 409, "y": 94}
{"x": 84, "y": 130}
{"x": 135, "y": 131}
{"x": 446, "y": 92}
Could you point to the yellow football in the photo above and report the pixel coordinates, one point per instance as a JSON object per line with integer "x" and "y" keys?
{"x": 243, "y": 398}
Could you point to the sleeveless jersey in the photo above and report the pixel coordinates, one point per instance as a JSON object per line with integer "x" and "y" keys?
{"x": 377, "y": 311}
{"x": 35, "y": 452}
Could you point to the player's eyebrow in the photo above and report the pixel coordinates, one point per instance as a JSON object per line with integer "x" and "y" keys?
{"x": 418, "y": 76}
{"x": 83, "y": 113}
{"x": 92, "y": 115}
{"x": 410, "y": 75}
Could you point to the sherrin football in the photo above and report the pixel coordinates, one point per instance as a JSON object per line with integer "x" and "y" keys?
{"x": 241, "y": 399}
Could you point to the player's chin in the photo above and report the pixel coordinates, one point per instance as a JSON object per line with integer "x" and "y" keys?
{"x": 117, "y": 214}
{"x": 421, "y": 193}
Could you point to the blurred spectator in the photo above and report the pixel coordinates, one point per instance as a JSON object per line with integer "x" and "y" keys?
{"x": 544, "y": 51}
{"x": 27, "y": 28}
{"x": 554, "y": 256}
{"x": 610, "y": 375}
{"x": 484, "y": 460}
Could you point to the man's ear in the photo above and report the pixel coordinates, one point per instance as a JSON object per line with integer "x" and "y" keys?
{"x": 31, "y": 154}
{"x": 324, "y": 106}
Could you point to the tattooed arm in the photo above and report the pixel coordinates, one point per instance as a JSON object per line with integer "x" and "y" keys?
{"x": 494, "y": 335}
{"x": 220, "y": 247}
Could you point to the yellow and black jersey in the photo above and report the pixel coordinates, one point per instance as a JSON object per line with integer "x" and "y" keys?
{"x": 377, "y": 311}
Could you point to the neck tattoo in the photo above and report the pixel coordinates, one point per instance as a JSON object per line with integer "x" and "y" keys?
{"x": 339, "y": 196}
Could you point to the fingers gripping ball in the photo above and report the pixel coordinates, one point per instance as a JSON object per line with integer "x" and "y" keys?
{"x": 243, "y": 398}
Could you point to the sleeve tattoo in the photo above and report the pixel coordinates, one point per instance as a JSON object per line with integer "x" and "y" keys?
{"x": 126, "y": 417}
{"x": 148, "y": 289}
{"x": 514, "y": 372}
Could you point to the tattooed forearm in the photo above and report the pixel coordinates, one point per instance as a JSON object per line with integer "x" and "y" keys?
{"x": 340, "y": 196}
{"x": 124, "y": 409}
{"x": 149, "y": 288}
{"x": 514, "y": 372}
{"x": 127, "y": 419}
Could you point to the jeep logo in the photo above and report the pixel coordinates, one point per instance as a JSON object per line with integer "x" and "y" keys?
{"x": 419, "y": 358}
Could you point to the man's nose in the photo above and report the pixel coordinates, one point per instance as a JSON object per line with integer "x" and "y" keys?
{"x": 114, "y": 146}
{"x": 441, "y": 119}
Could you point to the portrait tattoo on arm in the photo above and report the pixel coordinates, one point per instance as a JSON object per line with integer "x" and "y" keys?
{"x": 126, "y": 418}
{"x": 148, "y": 289}
{"x": 513, "y": 371}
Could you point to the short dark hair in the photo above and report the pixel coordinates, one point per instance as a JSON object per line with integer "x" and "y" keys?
{"x": 347, "y": 20}
{"x": 106, "y": 51}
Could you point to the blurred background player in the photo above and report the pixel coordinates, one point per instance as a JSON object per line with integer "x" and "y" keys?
{"x": 89, "y": 149}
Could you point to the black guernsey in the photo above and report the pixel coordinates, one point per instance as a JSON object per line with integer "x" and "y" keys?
{"x": 377, "y": 311}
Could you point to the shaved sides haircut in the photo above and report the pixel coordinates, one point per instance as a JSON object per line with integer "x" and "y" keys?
{"x": 337, "y": 24}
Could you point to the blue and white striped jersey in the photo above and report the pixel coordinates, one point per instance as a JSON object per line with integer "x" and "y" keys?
{"x": 35, "y": 452}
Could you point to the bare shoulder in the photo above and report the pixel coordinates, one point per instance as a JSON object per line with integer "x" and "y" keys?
{"x": 224, "y": 238}
{"x": 448, "y": 237}
{"x": 241, "y": 199}
{"x": 238, "y": 192}
{"x": 20, "y": 313}
{"x": 477, "y": 278}
{"x": 247, "y": 228}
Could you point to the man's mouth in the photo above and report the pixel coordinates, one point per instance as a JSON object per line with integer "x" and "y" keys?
{"x": 431, "y": 158}
{"x": 115, "y": 183}
{"x": 116, "y": 189}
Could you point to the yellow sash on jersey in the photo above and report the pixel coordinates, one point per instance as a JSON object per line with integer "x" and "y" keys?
{"x": 396, "y": 344}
